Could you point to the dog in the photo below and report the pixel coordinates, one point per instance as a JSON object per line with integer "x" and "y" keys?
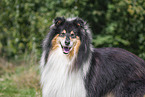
{"x": 71, "y": 67}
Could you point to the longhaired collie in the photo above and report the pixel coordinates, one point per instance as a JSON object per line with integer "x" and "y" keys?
{"x": 71, "y": 67}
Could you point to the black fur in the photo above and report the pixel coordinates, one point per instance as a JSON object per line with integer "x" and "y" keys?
{"x": 111, "y": 69}
{"x": 115, "y": 70}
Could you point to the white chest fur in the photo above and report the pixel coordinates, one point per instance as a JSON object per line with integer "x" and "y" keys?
{"x": 58, "y": 80}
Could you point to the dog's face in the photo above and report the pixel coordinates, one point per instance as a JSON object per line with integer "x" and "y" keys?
{"x": 67, "y": 35}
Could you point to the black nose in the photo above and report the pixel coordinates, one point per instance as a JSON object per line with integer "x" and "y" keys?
{"x": 67, "y": 42}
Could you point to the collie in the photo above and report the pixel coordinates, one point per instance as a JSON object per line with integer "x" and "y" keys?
{"x": 71, "y": 67}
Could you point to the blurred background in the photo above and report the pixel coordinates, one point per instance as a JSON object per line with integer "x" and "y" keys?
{"x": 25, "y": 23}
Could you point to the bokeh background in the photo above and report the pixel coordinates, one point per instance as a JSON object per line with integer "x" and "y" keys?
{"x": 25, "y": 23}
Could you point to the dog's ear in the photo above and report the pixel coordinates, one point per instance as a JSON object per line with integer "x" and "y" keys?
{"x": 59, "y": 21}
{"x": 79, "y": 22}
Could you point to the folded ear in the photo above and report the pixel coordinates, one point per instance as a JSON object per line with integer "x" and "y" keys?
{"x": 79, "y": 22}
{"x": 59, "y": 21}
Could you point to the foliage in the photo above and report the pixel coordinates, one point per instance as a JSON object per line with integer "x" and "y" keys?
{"x": 114, "y": 23}
{"x": 125, "y": 20}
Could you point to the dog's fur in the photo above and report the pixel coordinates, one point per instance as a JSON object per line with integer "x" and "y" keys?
{"x": 70, "y": 67}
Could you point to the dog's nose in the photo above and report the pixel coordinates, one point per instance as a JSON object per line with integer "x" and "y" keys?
{"x": 67, "y": 42}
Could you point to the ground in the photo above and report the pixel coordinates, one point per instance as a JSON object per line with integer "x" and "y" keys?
{"x": 19, "y": 79}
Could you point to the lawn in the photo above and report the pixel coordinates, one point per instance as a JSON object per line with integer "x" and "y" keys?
{"x": 19, "y": 79}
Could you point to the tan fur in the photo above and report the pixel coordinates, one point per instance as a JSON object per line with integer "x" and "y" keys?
{"x": 109, "y": 95}
{"x": 75, "y": 47}
{"x": 71, "y": 32}
{"x": 55, "y": 41}
{"x": 64, "y": 31}
{"x": 76, "y": 44}
{"x": 55, "y": 44}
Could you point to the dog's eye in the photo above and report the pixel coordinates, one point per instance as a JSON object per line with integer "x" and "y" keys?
{"x": 62, "y": 35}
{"x": 73, "y": 36}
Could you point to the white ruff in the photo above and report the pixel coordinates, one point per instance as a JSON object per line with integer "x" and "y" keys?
{"x": 58, "y": 80}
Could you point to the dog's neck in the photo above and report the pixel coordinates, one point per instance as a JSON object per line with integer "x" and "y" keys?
{"x": 59, "y": 79}
{"x": 58, "y": 57}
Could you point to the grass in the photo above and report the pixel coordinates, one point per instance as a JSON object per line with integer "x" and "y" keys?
{"x": 19, "y": 79}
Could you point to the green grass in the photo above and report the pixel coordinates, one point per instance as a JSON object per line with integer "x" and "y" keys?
{"x": 19, "y": 79}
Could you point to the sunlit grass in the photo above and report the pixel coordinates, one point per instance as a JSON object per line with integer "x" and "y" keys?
{"x": 19, "y": 79}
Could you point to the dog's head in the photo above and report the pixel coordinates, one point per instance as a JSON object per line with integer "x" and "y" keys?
{"x": 67, "y": 35}
{"x": 71, "y": 35}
